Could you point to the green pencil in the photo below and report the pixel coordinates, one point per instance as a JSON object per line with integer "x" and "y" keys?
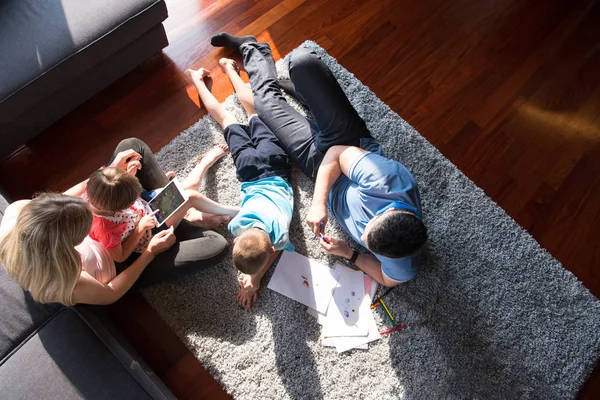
{"x": 387, "y": 312}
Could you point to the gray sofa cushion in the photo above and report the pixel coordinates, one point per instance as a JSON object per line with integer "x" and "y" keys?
{"x": 21, "y": 315}
{"x": 43, "y": 44}
{"x": 56, "y": 352}
{"x": 65, "y": 360}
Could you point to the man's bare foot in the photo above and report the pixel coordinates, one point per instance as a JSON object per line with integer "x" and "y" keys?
{"x": 170, "y": 175}
{"x": 229, "y": 64}
{"x": 207, "y": 221}
{"x": 213, "y": 155}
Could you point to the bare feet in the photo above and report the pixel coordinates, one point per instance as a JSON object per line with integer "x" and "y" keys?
{"x": 170, "y": 175}
{"x": 204, "y": 220}
{"x": 213, "y": 155}
{"x": 198, "y": 74}
{"x": 228, "y": 63}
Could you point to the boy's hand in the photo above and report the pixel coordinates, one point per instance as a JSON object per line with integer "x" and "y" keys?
{"x": 147, "y": 222}
{"x": 248, "y": 291}
{"x": 335, "y": 247}
{"x": 317, "y": 218}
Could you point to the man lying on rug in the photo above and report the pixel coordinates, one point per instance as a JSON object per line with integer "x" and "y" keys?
{"x": 374, "y": 198}
{"x": 262, "y": 225}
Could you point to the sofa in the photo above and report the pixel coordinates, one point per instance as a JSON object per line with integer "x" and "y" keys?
{"x": 49, "y": 351}
{"x": 56, "y": 54}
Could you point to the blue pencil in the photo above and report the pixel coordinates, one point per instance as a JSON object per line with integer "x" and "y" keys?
{"x": 320, "y": 227}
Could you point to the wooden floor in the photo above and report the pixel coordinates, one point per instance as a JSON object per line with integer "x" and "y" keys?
{"x": 508, "y": 90}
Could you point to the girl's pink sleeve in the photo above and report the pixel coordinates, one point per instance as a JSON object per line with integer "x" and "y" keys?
{"x": 107, "y": 233}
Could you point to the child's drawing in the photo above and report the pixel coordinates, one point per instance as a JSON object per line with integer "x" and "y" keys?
{"x": 305, "y": 282}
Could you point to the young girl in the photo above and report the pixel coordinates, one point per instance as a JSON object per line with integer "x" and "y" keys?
{"x": 123, "y": 222}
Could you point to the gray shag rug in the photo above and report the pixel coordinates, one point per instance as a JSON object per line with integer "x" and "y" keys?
{"x": 490, "y": 315}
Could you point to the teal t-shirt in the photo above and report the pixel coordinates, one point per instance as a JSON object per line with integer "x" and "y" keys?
{"x": 266, "y": 204}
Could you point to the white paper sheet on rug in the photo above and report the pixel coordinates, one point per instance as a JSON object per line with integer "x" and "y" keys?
{"x": 370, "y": 288}
{"x": 320, "y": 317}
{"x": 366, "y": 317}
{"x": 343, "y": 314}
{"x": 331, "y": 342}
{"x": 304, "y": 280}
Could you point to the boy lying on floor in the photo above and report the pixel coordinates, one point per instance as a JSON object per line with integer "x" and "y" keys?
{"x": 261, "y": 227}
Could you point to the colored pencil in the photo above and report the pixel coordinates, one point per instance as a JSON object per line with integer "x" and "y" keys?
{"x": 396, "y": 328}
{"x": 375, "y": 305}
{"x": 386, "y": 310}
{"x": 320, "y": 227}
{"x": 389, "y": 317}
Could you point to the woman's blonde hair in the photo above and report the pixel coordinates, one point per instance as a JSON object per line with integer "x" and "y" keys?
{"x": 112, "y": 189}
{"x": 39, "y": 251}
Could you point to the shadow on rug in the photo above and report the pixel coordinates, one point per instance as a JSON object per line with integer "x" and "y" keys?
{"x": 490, "y": 315}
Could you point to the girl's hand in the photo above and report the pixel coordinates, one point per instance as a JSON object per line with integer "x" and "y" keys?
{"x": 161, "y": 241}
{"x": 147, "y": 222}
{"x": 335, "y": 247}
{"x": 133, "y": 167}
{"x": 123, "y": 158}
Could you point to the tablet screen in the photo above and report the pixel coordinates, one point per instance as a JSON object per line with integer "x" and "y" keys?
{"x": 167, "y": 201}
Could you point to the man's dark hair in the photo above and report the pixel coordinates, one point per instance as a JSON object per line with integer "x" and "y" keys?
{"x": 396, "y": 234}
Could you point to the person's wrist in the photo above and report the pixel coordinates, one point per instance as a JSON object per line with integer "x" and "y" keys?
{"x": 348, "y": 253}
{"x": 352, "y": 255}
{"x": 319, "y": 204}
{"x": 149, "y": 252}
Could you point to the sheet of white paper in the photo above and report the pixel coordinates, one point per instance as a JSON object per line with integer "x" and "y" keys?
{"x": 374, "y": 286}
{"x": 366, "y": 317}
{"x": 331, "y": 342}
{"x": 343, "y": 315}
{"x": 320, "y": 317}
{"x": 304, "y": 280}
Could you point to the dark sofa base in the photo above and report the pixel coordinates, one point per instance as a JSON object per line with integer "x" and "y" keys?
{"x": 83, "y": 87}
{"x": 76, "y": 354}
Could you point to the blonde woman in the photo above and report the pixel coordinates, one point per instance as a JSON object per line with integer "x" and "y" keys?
{"x": 44, "y": 242}
{"x": 44, "y": 246}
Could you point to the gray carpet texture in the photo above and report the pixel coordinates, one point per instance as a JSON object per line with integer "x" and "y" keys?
{"x": 491, "y": 315}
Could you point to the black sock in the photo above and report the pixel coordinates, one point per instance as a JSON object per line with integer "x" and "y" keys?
{"x": 224, "y": 39}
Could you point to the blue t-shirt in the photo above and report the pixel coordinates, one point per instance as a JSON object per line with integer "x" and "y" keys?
{"x": 266, "y": 204}
{"x": 374, "y": 185}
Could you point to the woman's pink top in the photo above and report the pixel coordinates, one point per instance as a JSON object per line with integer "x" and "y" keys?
{"x": 96, "y": 261}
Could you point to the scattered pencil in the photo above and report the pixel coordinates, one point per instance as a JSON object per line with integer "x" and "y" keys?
{"x": 387, "y": 311}
{"x": 396, "y": 328}
{"x": 375, "y": 305}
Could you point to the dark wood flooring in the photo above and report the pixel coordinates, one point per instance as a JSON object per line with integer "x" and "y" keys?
{"x": 508, "y": 90}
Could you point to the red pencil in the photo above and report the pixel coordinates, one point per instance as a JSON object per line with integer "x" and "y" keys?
{"x": 392, "y": 329}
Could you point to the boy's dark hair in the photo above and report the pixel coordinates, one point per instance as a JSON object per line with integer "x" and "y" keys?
{"x": 112, "y": 189}
{"x": 396, "y": 234}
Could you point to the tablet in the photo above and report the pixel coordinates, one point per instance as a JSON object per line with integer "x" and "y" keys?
{"x": 167, "y": 201}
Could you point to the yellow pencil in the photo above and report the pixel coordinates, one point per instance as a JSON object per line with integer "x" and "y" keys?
{"x": 386, "y": 309}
